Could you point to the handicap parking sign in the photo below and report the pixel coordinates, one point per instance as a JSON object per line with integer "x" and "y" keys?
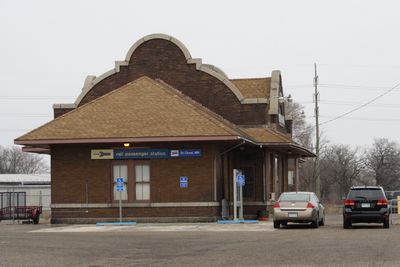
{"x": 120, "y": 184}
{"x": 240, "y": 180}
{"x": 183, "y": 182}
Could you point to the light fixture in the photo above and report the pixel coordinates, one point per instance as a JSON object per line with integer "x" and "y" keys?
{"x": 126, "y": 144}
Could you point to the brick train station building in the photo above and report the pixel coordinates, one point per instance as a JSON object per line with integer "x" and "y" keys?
{"x": 174, "y": 129}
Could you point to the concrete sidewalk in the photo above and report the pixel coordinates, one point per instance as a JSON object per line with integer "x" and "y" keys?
{"x": 264, "y": 226}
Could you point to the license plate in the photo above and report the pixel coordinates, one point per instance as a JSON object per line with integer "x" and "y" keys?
{"x": 292, "y": 214}
{"x": 365, "y": 205}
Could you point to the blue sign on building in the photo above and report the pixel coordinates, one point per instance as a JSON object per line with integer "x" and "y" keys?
{"x": 190, "y": 153}
{"x": 141, "y": 153}
{"x": 183, "y": 181}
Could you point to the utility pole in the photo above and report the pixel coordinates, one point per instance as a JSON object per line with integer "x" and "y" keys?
{"x": 316, "y": 166}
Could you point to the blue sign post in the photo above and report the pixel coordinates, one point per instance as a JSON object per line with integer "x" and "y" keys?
{"x": 240, "y": 180}
{"x": 120, "y": 184}
{"x": 183, "y": 182}
{"x": 120, "y": 188}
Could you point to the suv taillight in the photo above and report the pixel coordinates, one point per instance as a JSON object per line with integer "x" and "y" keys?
{"x": 349, "y": 202}
{"x": 310, "y": 205}
{"x": 382, "y": 202}
{"x": 276, "y": 205}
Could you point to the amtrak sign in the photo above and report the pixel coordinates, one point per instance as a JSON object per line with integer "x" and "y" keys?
{"x": 102, "y": 154}
{"x": 144, "y": 153}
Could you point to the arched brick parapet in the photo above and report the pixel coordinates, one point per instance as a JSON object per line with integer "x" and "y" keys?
{"x": 163, "y": 57}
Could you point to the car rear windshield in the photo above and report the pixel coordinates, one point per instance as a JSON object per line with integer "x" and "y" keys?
{"x": 295, "y": 197}
{"x": 366, "y": 193}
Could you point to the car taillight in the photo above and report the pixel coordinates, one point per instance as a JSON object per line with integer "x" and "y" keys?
{"x": 310, "y": 205}
{"x": 349, "y": 202}
{"x": 276, "y": 205}
{"x": 382, "y": 202}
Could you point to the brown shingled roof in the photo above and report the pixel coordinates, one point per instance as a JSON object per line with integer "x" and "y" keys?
{"x": 254, "y": 87}
{"x": 142, "y": 108}
{"x": 270, "y": 138}
{"x": 266, "y": 135}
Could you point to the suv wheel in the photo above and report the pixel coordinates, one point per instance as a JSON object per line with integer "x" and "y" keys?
{"x": 386, "y": 223}
{"x": 277, "y": 224}
{"x": 346, "y": 223}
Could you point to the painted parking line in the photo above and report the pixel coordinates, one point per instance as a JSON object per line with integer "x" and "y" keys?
{"x": 262, "y": 227}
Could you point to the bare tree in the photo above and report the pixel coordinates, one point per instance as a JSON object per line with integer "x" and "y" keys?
{"x": 383, "y": 163}
{"x": 13, "y": 160}
{"x": 302, "y": 130}
{"x": 340, "y": 169}
{"x": 302, "y": 134}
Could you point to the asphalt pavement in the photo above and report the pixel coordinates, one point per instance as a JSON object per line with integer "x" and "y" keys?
{"x": 200, "y": 244}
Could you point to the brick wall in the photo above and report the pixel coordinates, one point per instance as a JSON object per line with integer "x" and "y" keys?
{"x": 73, "y": 171}
{"x": 162, "y": 59}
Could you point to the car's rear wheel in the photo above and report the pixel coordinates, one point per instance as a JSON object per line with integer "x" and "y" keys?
{"x": 346, "y": 223}
{"x": 386, "y": 223}
{"x": 277, "y": 224}
{"x": 315, "y": 223}
{"x": 322, "y": 221}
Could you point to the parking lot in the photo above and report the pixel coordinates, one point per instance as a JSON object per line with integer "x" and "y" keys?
{"x": 199, "y": 245}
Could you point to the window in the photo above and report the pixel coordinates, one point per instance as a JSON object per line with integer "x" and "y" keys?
{"x": 120, "y": 171}
{"x": 142, "y": 176}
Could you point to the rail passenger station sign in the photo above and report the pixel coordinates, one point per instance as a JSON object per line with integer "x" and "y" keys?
{"x": 144, "y": 153}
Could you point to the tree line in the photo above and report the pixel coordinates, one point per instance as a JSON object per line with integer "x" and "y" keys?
{"x": 343, "y": 166}
{"x": 13, "y": 160}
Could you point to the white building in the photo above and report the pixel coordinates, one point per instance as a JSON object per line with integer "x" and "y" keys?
{"x": 36, "y": 186}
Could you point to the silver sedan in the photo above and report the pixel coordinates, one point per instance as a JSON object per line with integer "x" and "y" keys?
{"x": 298, "y": 207}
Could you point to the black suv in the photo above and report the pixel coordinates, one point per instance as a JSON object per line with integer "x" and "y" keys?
{"x": 366, "y": 204}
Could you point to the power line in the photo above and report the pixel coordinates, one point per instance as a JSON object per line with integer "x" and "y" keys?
{"x": 14, "y": 130}
{"x": 362, "y": 119}
{"x": 15, "y": 97}
{"x": 340, "y": 86}
{"x": 351, "y": 103}
{"x": 361, "y": 106}
{"x": 16, "y": 115}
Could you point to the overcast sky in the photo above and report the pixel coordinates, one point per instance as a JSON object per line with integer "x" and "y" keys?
{"x": 47, "y": 49}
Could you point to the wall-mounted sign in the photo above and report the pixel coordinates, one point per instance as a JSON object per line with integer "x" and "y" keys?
{"x": 144, "y": 153}
{"x": 141, "y": 153}
{"x": 189, "y": 153}
{"x": 183, "y": 181}
{"x": 102, "y": 154}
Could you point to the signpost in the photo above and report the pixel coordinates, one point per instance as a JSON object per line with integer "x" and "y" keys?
{"x": 238, "y": 183}
{"x": 120, "y": 188}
